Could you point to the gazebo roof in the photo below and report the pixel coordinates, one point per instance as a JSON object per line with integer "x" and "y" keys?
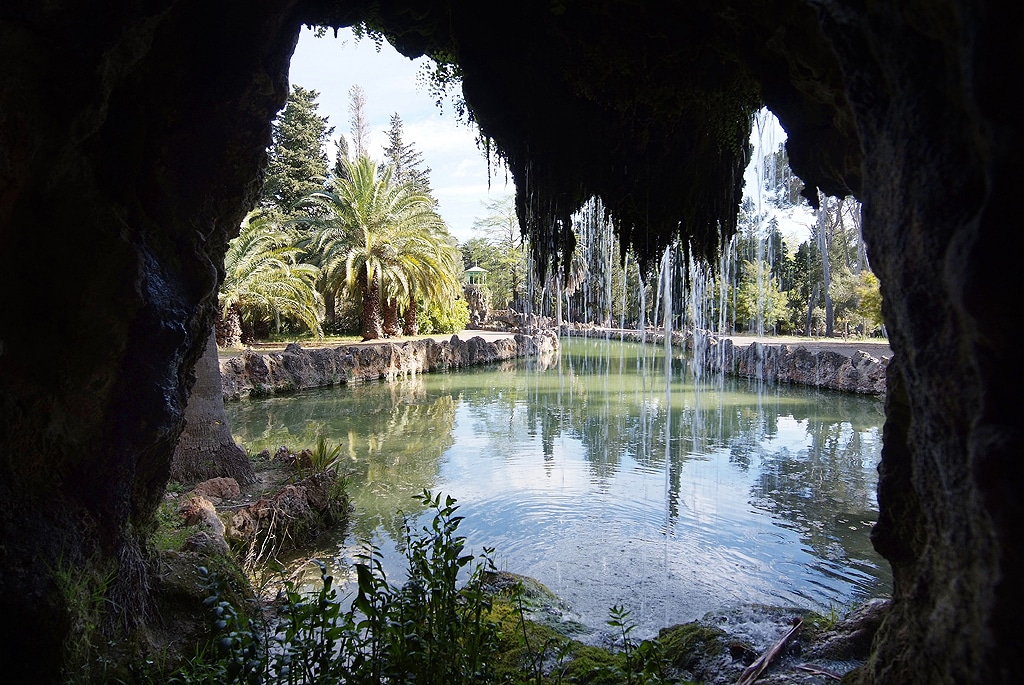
{"x": 476, "y": 270}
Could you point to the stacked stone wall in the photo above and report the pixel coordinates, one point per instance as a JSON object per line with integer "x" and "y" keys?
{"x": 850, "y": 370}
{"x": 253, "y": 374}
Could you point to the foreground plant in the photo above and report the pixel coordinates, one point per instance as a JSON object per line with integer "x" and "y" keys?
{"x": 429, "y": 629}
{"x": 644, "y": 662}
{"x": 426, "y": 630}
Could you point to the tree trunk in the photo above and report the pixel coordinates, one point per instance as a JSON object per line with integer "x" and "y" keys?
{"x": 392, "y": 326}
{"x": 229, "y": 328}
{"x": 330, "y": 317}
{"x": 825, "y": 270}
{"x": 409, "y": 325}
{"x": 813, "y": 300}
{"x": 205, "y": 448}
{"x": 372, "y": 329}
{"x": 259, "y": 329}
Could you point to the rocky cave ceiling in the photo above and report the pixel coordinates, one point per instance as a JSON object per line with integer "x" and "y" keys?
{"x": 646, "y": 106}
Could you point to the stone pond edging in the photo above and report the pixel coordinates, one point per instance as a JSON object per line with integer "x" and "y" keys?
{"x": 254, "y": 374}
{"x": 858, "y": 372}
{"x": 855, "y": 371}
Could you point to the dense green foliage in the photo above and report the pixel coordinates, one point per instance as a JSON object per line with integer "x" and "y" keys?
{"x": 452, "y": 620}
{"x": 382, "y": 243}
{"x": 498, "y": 248}
{"x": 443, "y": 317}
{"x": 359, "y": 246}
{"x": 265, "y": 278}
{"x": 757, "y": 298}
{"x": 869, "y": 300}
{"x": 389, "y": 267}
{"x": 760, "y": 285}
{"x": 298, "y": 161}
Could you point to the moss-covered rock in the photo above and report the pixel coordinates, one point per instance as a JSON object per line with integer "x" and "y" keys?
{"x": 689, "y": 644}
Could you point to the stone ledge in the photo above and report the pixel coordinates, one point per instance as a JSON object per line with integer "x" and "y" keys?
{"x": 252, "y": 374}
{"x": 857, "y": 372}
{"x": 820, "y": 364}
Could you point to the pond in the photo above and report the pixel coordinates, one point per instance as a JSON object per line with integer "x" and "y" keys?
{"x": 607, "y": 483}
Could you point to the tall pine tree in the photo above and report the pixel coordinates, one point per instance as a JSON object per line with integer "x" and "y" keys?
{"x": 406, "y": 160}
{"x": 298, "y": 158}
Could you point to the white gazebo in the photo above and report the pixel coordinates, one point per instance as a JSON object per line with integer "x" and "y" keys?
{"x": 475, "y": 275}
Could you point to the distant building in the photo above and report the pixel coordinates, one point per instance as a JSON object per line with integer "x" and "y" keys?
{"x": 476, "y": 275}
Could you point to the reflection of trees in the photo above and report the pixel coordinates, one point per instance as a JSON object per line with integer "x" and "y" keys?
{"x": 611, "y": 398}
{"x": 834, "y": 474}
{"x": 582, "y": 401}
{"x": 805, "y": 450}
{"x": 831, "y": 470}
{"x": 393, "y": 433}
{"x": 401, "y": 452}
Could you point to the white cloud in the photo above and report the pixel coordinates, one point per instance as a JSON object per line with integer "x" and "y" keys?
{"x": 440, "y": 135}
{"x": 473, "y": 191}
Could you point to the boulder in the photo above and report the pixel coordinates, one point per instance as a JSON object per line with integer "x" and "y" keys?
{"x": 217, "y": 489}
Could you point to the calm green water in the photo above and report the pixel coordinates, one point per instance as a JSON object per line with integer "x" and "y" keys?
{"x": 609, "y": 485}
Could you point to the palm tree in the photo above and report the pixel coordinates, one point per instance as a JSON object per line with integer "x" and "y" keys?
{"x": 377, "y": 238}
{"x": 265, "y": 280}
{"x": 205, "y": 448}
{"x": 432, "y": 263}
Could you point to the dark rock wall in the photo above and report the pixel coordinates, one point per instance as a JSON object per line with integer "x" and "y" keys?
{"x": 922, "y": 82}
{"x": 129, "y": 139}
{"x": 131, "y": 135}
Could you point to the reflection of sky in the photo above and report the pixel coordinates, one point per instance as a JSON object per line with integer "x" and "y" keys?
{"x": 790, "y": 435}
{"x": 564, "y": 474}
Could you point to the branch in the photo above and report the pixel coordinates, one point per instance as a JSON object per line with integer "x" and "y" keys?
{"x": 754, "y": 670}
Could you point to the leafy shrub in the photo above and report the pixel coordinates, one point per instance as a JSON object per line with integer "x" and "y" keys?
{"x": 425, "y": 630}
{"x": 447, "y": 317}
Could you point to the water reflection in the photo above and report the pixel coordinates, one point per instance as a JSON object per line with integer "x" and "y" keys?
{"x": 767, "y": 494}
{"x": 394, "y": 435}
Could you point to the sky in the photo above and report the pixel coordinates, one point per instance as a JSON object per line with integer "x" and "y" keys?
{"x": 459, "y": 175}
{"x": 458, "y": 170}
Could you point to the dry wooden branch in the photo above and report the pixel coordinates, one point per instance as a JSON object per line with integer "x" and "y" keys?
{"x": 754, "y": 670}
{"x": 818, "y": 670}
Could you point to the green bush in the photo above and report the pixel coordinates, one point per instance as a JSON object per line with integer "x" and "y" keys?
{"x": 447, "y": 317}
{"x": 425, "y": 630}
